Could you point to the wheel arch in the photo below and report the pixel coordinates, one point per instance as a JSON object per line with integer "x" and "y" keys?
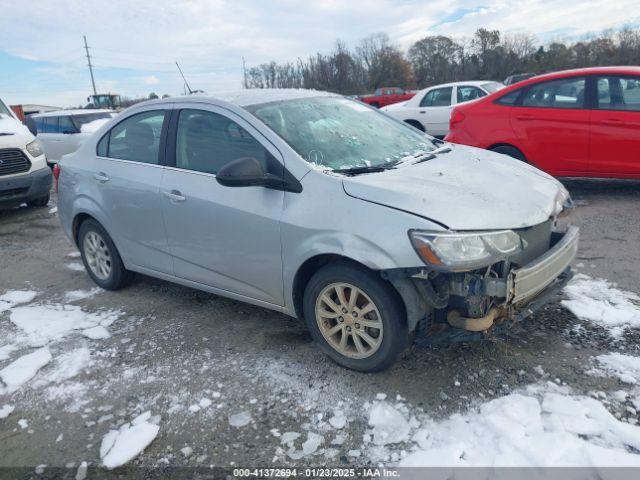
{"x": 315, "y": 263}
{"x": 510, "y": 145}
{"x": 415, "y": 123}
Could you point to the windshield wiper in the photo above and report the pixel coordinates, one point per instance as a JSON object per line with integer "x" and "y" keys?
{"x": 366, "y": 169}
{"x": 432, "y": 154}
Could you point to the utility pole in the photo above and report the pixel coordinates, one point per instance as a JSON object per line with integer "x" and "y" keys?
{"x": 244, "y": 73}
{"x": 93, "y": 82}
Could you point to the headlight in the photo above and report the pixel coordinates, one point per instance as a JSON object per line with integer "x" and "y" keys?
{"x": 34, "y": 149}
{"x": 464, "y": 251}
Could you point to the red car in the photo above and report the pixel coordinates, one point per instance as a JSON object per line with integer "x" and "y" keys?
{"x": 575, "y": 123}
{"x": 386, "y": 96}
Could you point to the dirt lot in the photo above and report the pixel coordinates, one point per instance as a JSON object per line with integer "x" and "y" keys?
{"x": 197, "y": 360}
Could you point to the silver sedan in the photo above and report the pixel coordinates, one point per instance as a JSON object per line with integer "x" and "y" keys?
{"x": 322, "y": 208}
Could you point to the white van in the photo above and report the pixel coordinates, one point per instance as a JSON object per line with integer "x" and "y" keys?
{"x": 24, "y": 174}
{"x": 63, "y": 131}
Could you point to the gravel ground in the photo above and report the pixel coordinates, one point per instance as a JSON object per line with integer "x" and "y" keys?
{"x": 172, "y": 347}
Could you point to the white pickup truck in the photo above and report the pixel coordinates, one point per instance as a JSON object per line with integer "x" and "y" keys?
{"x": 24, "y": 174}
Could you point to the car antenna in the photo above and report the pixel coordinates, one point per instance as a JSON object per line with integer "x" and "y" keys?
{"x": 185, "y": 80}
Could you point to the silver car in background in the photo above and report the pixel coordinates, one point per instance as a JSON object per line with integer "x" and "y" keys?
{"x": 322, "y": 208}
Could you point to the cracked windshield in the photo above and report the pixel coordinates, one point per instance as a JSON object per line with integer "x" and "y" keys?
{"x": 337, "y": 133}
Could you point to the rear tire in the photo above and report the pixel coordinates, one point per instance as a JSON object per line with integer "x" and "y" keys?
{"x": 510, "y": 151}
{"x": 39, "y": 202}
{"x": 101, "y": 258}
{"x": 365, "y": 332}
{"x": 415, "y": 124}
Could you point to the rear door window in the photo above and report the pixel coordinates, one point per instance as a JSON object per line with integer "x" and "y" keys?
{"x": 619, "y": 93}
{"x": 562, "y": 93}
{"x": 136, "y": 139}
{"x": 207, "y": 141}
{"x": 50, "y": 125}
{"x": 468, "y": 93}
{"x": 66, "y": 125}
{"x": 439, "y": 97}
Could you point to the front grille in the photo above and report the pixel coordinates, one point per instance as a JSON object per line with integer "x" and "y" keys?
{"x": 12, "y": 160}
{"x": 14, "y": 192}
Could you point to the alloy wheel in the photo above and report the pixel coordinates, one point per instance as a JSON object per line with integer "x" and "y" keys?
{"x": 349, "y": 320}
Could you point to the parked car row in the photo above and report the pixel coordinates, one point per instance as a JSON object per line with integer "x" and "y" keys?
{"x": 62, "y": 131}
{"x": 429, "y": 109}
{"x": 24, "y": 175}
{"x": 577, "y": 123}
{"x": 386, "y": 96}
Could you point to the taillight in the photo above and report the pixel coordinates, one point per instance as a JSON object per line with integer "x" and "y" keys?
{"x": 456, "y": 117}
{"x": 56, "y": 174}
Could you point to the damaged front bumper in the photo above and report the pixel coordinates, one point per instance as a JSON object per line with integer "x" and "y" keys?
{"x": 499, "y": 301}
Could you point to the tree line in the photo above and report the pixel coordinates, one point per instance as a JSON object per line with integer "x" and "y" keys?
{"x": 488, "y": 55}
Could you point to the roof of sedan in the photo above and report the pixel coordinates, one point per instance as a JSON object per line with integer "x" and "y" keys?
{"x": 255, "y": 96}
{"x": 77, "y": 111}
{"x": 620, "y": 70}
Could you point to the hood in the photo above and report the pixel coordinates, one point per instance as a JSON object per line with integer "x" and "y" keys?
{"x": 13, "y": 133}
{"x": 465, "y": 189}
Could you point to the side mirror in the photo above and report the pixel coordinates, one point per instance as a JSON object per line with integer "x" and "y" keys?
{"x": 247, "y": 172}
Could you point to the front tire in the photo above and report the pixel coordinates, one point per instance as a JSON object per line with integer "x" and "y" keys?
{"x": 355, "y": 317}
{"x": 101, "y": 258}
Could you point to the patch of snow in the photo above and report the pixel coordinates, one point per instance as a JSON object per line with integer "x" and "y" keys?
{"x": 23, "y": 423}
{"x": 204, "y": 403}
{"x": 53, "y": 210}
{"x": 389, "y": 424}
{"x": 542, "y": 426}
{"x": 75, "y": 254}
{"x": 44, "y": 323}
{"x": 187, "y": 451}
{"x": 240, "y": 419}
{"x": 338, "y": 420}
{"x": 75, "y": 295}
{"x": 11, "y": 298}
{"x": 6, "y": 351}
{"x": 625, "y": 367}
{"x": 288, "y": 438}
{"x": 120, "y": 446}
{"x": 20, "y": 371}
{"x": 68, "y": 365}
{"x": 81, "y": 474}
{"x": 75, "y": 266}
{"x": 6, "y": 410}
{"x": 311, "y": 444}
{"x": 96, "y": 333}
{"x": 600, "y": 302}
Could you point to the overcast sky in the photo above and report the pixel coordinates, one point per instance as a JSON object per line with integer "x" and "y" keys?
{"x": 134, "y": 43}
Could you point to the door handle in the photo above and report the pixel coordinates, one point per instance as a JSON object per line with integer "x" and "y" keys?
{"x": 612, "y": 121}
{"x": 422, "y": 111}
{"x": 101, "y": 177}
{"x": 174, "y": 196}
{"x": 525, "y": 117}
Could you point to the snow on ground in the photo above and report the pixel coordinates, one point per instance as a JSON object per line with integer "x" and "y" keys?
{"x": 6, "y": 410}
{"x": 75, "y": 266}
{"x": 41, "y": 324}
{"x": 600, "y": 302}
{"x": 75, "y": 295}
{"x": 122, "y": 445}
{"x": 15, "y": 297}
{"x": 542, "y": 425}
{"x": 625, "y": 367}
{"x": 23, "y": 369}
